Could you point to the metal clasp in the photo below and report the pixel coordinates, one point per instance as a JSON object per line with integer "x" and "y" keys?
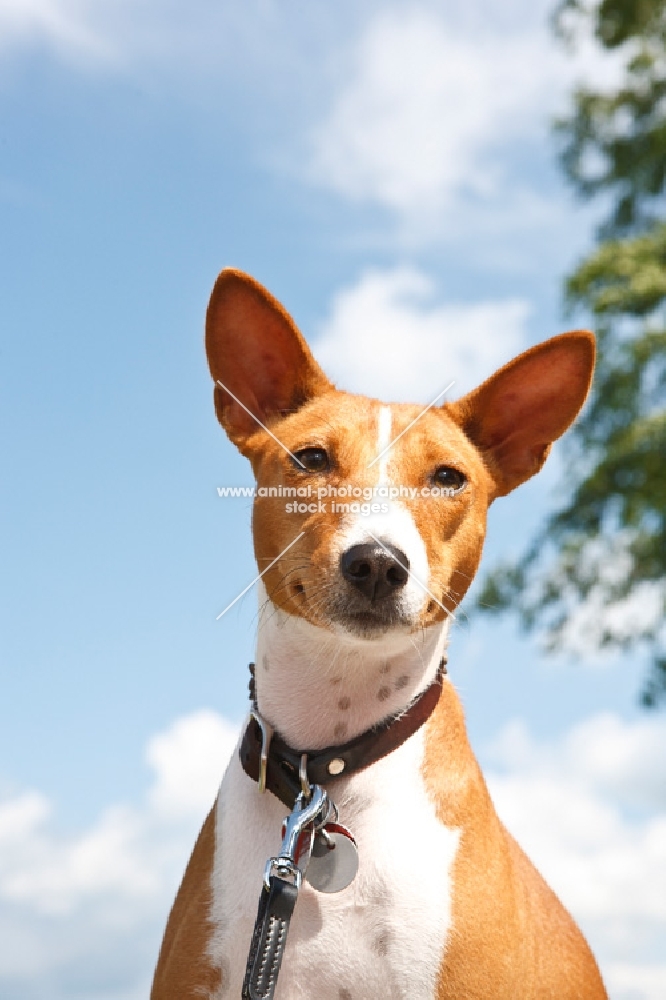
{"x": 303, "y": 777}
{"x": 315, "y": 810}
{"x": 266, "y": 737}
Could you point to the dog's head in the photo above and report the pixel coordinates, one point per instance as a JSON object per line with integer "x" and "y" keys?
{"x": 387, "y": 502}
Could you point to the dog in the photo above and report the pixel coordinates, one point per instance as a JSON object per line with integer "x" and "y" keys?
{"x": 351, "y": 699}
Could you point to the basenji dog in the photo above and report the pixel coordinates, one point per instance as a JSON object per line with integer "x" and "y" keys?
{"x": 368, "y": 522}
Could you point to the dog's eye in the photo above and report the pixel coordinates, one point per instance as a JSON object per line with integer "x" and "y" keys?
{"x": 314, "y": 460}
{"x": 449, "y": 478}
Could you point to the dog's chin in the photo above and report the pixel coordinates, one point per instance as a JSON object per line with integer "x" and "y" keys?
{"x": 372, "y": 623}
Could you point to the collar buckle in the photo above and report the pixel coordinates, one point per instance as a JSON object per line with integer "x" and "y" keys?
{"x": 294, "y": 772}
{"x": 266, "y": 737}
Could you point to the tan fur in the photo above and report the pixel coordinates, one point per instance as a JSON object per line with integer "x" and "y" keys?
{"x": 184, "y": 969}
{"x": 511, "y": 939}
{"x": 516, "y": 414}
{"x": 453, "y": 531}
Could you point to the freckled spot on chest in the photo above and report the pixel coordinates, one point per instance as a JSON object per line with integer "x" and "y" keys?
{"x": 340, "y": 730}
{"x": 335, "y": 680}
{"x": 383, "y": 693}
{"x": 344, "y": 703}
{"x": 384, "y": 935}
{"x": 264, "y": 662}
{"x": 381, "y": 944}
{"x": 385, "y": 669}
{"x": 402, "y": 682}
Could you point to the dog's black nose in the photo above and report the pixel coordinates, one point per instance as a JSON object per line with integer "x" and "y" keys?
{"x": 375, "y": 570}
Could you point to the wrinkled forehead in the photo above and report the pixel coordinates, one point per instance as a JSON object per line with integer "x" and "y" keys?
{"x": 368, "y": 435}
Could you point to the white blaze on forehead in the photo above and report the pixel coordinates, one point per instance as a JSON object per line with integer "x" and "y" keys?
{"x": 384, "y": 422}
{"x": 393, "y": 524}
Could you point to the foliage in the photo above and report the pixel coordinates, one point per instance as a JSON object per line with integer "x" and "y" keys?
{"x": 595, "y": 576}
{"x": 614, "y": 141}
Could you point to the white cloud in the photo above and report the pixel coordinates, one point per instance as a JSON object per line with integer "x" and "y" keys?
{"x": 590, "y": 810}
{"x": 159, "y": 42}
{"x": 386, "y": 336}
{"x": 149, "y": 40}
{"x": 434, "y": 105}
{"x": 648, "y": 982}
{"x": 187, "y": 759}
{"x": 637, "y": 615}
{"x": 606, "y": 564}
{"x": 421, "y": 109}
{"x": 83, "y": 914}
{"x": 425, "y": 104}
{"x": 63, "y": 24}
{"x": 20, "y": 815}
{"x": 91, "y": 907}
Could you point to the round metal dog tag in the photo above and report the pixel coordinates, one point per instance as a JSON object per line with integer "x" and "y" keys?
{"x": 334, "y": 861}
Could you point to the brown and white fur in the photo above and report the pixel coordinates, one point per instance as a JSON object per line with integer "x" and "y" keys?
{"x": 445, "y": 903}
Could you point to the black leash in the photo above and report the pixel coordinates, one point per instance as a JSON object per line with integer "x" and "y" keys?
{"x": 312, "y": 838}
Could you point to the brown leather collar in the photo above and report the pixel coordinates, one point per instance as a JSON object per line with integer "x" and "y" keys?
{"x": 284, "y": 766}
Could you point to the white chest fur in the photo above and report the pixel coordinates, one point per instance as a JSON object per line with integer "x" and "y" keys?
{"x": 382, "y": 937}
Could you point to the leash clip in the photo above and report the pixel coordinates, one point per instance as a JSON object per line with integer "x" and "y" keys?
{"x": 266, "y": 737}
{"x": 306, "y": 812}
{"x": 282, "y": 880}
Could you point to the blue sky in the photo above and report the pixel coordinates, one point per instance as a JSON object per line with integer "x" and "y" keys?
{"x": 387, "y": 171}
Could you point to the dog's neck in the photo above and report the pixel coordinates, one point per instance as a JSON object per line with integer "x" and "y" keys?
{"x": 319, "y": 688}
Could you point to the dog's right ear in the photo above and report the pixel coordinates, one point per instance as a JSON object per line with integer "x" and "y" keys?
{"x": 258, "y": 358}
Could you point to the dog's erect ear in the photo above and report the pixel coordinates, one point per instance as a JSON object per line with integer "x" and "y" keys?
{"x": 258, "y": 355}
{"x": 516, "y": 414}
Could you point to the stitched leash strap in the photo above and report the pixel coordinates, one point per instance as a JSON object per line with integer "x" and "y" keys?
{"x": 276, "y": 905}
{"x": 283, "y": 764}
{"x": 282, "y": 880}
{"x": 296, "y": 779}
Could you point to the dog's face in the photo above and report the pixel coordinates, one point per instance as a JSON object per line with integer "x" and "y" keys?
{"x": 387, "y": 503}
{"x": 369, "y": 559}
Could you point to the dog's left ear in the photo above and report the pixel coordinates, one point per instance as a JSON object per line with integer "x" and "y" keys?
{"x": 516, "y": 414}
